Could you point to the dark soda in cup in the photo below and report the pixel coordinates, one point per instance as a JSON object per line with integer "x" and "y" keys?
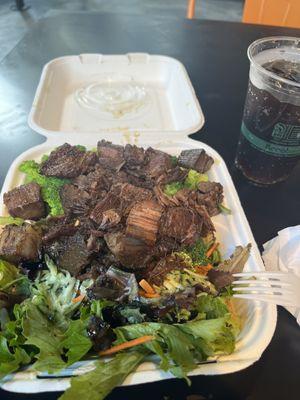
{"x": 269, "y": 145}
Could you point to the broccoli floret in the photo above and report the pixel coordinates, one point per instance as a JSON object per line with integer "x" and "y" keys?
{"x": 50, "y": 186}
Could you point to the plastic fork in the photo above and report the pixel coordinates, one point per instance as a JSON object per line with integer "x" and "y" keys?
{"x": 282, "y": 288}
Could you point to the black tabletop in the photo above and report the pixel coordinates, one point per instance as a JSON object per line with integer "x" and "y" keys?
{"x": 214, "y": 54}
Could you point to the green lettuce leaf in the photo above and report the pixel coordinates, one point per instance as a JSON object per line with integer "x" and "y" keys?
{"x": 11, "y": 221}
{"x": 50, "y": 186}
{"x": 191, "y": 182}
{"x": 211, "y": 307}
{"x": 172, "y": 188}
{"x": 45, "y": 336}
{"x": 12, "y": 282}
{"x": 194, "y": 178}
{"x": 97, "y": 384}
{"x": 76, "y": 341}
{"x": 10, "y": 361}
{"x": 224, "y": 209}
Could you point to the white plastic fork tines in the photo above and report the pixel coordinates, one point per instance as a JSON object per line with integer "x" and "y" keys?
{"x": 282, "y": 288}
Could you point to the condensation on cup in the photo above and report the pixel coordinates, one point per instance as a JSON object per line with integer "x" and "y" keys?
{"x": 269, "y": 144}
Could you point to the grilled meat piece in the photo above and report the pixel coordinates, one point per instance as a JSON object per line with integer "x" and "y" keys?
{"x": 175, "y": 174}
{"x": 134, "y": 155}
{"x": 74, "y": 200}
{"x": 88, "y": 162}
{"x": 56, "y": 232}
{"x": 130, "y": 252}
{"x": 210, "y": 194}
{"x": 181, "y": 223}
{"x": 120, "y": 199}
{"x": 111, "y": 202}
{"x": 19, "y": 243}
{"x": 110, "y": 155}
{"x": 69, "y": 252}
{"x": 95, "y": 181}
{"x": 142, "y": 221}
{"x": 196, "y": 159}
{"x": 25, "y": 201}
{"x": 64, "y": 162}
{"x": 131, "y": 195}
{"x": 158, "y": 162}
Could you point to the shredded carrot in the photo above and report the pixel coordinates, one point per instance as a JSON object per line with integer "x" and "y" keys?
{"x": 127, "y": 345}
{"x": 203, "y": 269}
{"x": 146, "y": 286}
{"x": 78, "y": 298}
{"x": 212, "y": 249}
{"x": 148, "y": 295}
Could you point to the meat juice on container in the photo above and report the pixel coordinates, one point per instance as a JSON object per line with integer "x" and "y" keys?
{"x": 269, "y": 144}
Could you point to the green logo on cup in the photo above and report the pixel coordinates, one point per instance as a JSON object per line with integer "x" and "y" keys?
{"x": 285, "y": 140}
{"x": 286, "y": 134}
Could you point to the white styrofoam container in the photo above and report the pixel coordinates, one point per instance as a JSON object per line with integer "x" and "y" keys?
{"x": 171, "y": 105}
{"x": 259, "y": 320}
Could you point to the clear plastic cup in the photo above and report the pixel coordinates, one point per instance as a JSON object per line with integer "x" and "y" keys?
{"x": 269, "y": 144}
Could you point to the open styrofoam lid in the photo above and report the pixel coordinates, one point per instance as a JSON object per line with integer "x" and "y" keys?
{"x": 93, "y": 93}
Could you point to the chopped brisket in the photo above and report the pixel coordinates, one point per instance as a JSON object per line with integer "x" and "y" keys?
{"x": 175, "y": 174}
{"x": 134, "y": 155}
{"x": 110, "y": 155}
{"x": 19, "y": 243}
{"x": 210, "y": 194}
{"x": 110, "y": 202}
{"x": 142, "y": 221}
{"x": 25, "y": 201}
{"x": 131, "y": 252}
{"x": 69, "y": 253}
{"x": 74, "y": 200}
{"x": 181, "y": 223}
{"x": 158, "y": 162}
{"x": 58, "y": 231}
{"x": 130, "y": 194}
{"x": 196, "y": 159}
{"x": 95, "y": 181}
{"x": 64, "y": 162}
{"x": 88, "y": 162}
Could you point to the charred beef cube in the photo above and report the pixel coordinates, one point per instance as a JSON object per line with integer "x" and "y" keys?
{"x": 158, "y": 162}
{"x": 181, "y": 223}
{"x": 18, "y": 243}
{"x": 25, "y": 201}
{"x": 110, "y": 202}
{"x": 110, "y": 155}
{"x": 210, "y": 194}
{"x": 196, "y": 159}
{"x": 131, "y": 252}
{"x": 74, "y": 200}
{"x": 134, "y": 155}
{"x": 131, "y": 195}
{"x": 88, "y": 162}
{"x": 69, "y": 253}
{"x": 58, "y": 231}
{"x": 142, "y": 221}
{"x": 64, "y": 162}
{"x": 94, "y": 182}
{"x": 175, "y": 174}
